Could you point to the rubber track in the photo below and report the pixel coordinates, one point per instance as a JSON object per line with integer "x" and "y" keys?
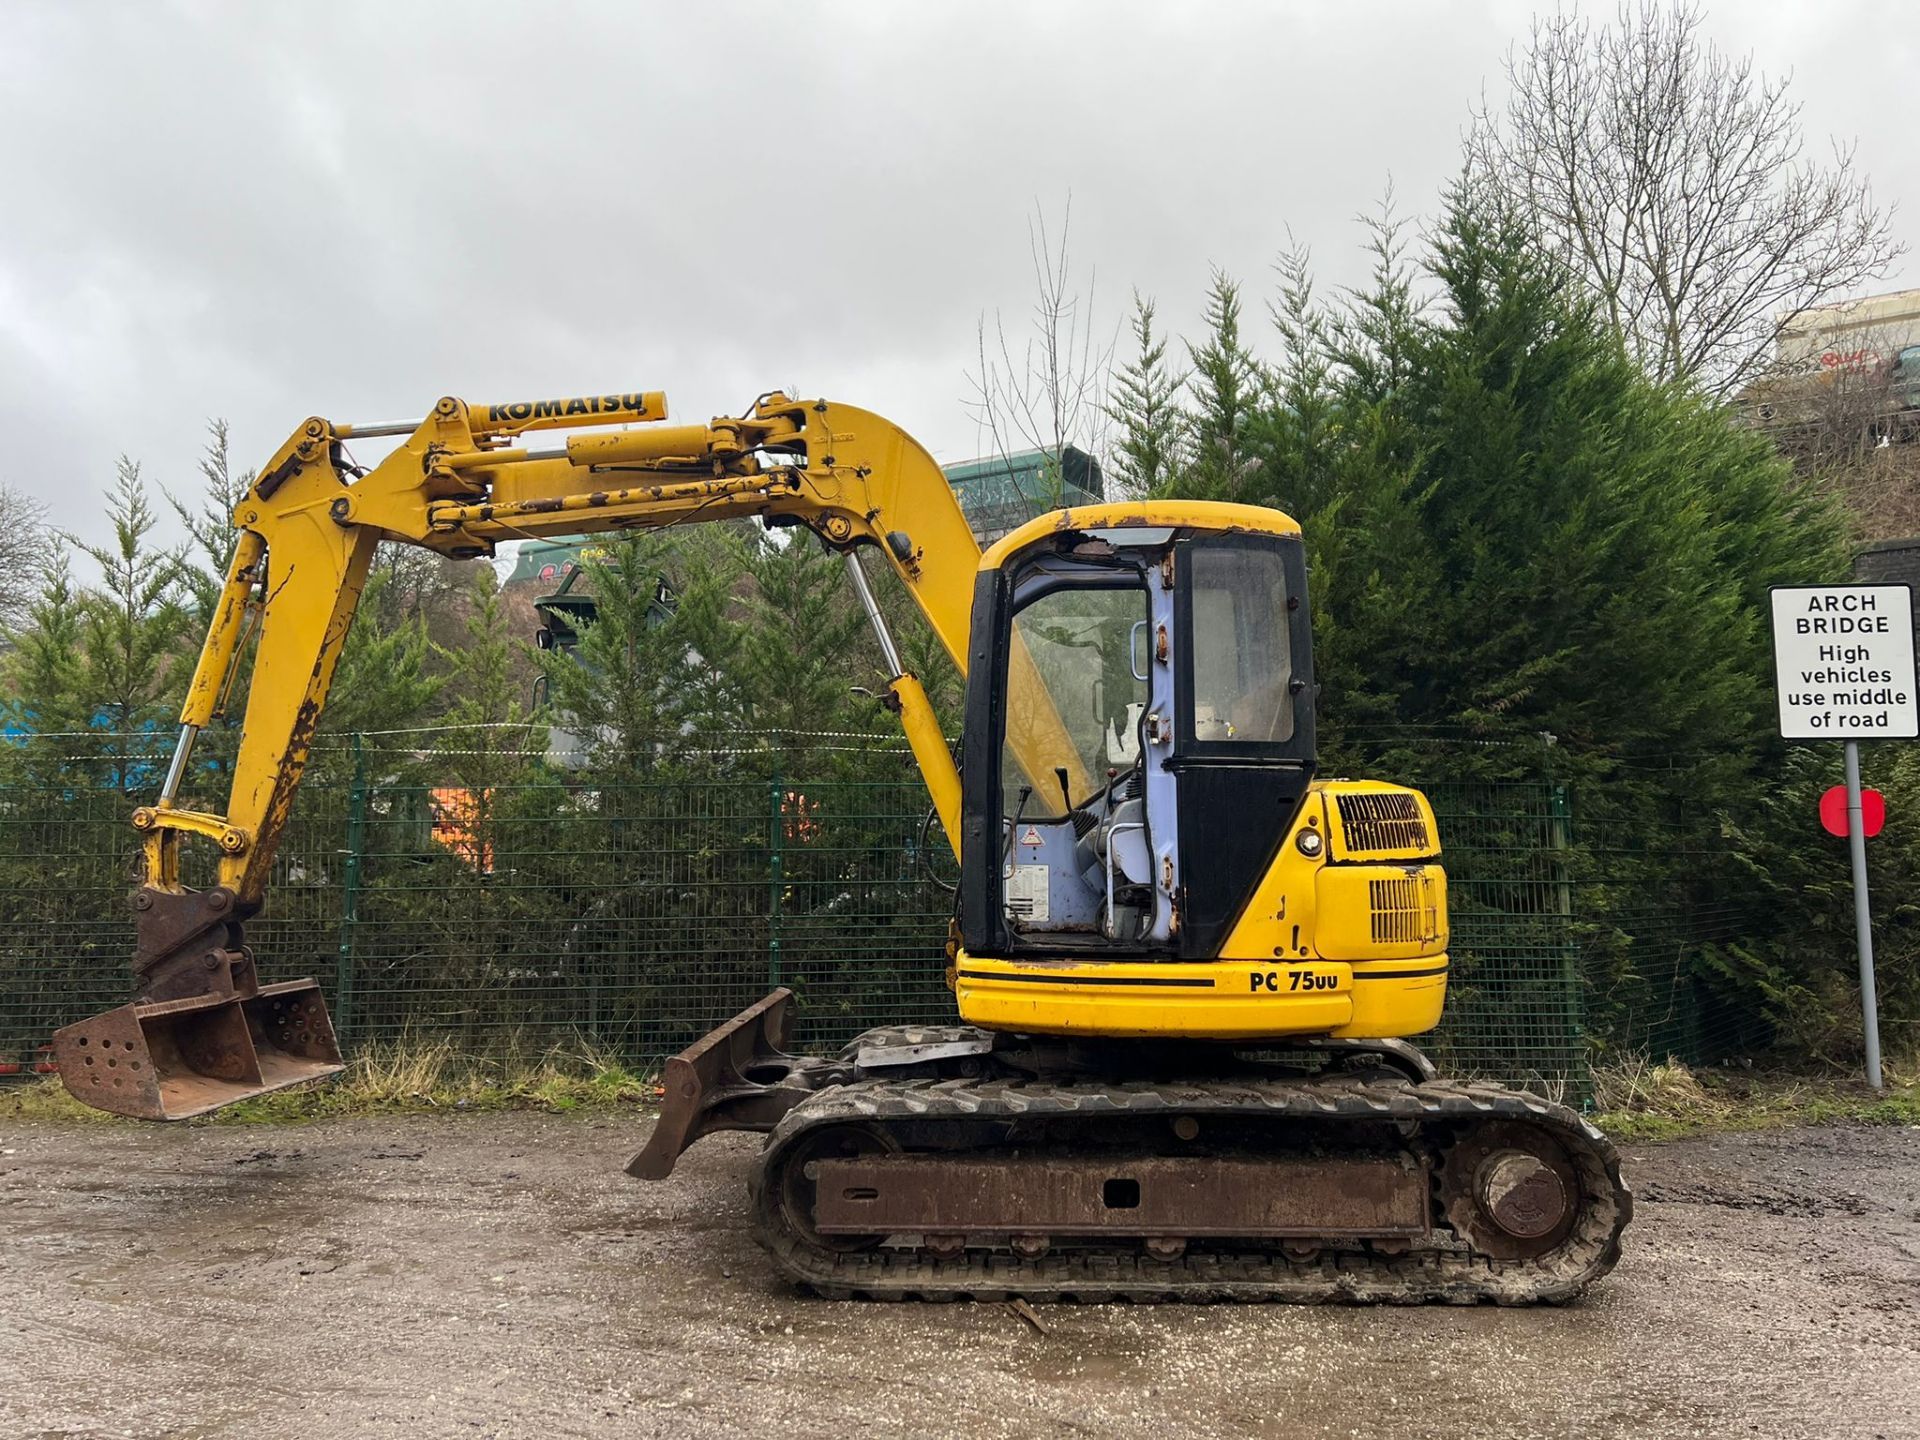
{"x": 1453, "y": 1275}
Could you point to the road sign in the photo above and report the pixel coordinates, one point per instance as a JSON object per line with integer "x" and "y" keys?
{"x": 1843, "y": 670}
{"x": 1843, "y": 662}
{"x": 1873, "y": 811}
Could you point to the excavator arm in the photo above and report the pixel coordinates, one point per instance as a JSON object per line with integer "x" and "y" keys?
{"x": 203, "y": 1031}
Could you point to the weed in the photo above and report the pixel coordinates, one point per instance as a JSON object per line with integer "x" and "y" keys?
{"x": 1641, "y": 1100}
{"x": 1636, "y": 1098}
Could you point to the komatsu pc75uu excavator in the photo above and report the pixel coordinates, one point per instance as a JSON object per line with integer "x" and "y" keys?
{"x": 1185, "y": 966}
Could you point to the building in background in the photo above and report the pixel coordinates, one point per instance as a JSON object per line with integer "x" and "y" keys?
{"x": 544, "y": 563}
{"x": 1852, "y": 365}
{"x": 1001, "y": 493}
{"x": 1848, "y": 334}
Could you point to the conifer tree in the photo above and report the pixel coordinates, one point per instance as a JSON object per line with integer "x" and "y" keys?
{"x": 487, "y": 736}
{"x": 46, "y": 679}
{"x": 1146, "y": 406}
{"x": 1603, "y": 545}
{"x": 209, "y": 523}
{"x": 1227, "y": 386}
{"x": 385, "y": 681}
{"x": 1373, "y": 337}
{"x": 1298, "y": 432}
{"x": 132, "y": 635}
{"x": 1332, "y": 454}
{"x": 494, "y": 818}
{"x": 636, "y": 688}
{"x": 792, "y": 643}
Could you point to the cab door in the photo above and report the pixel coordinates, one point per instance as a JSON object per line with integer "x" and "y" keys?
{"x": 1068, "y": 815}
{"x": 1242, "y": 741}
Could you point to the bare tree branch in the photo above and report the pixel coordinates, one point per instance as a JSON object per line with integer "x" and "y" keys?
{"x": 1675, "y": 179}
{"x": 23, "y": 545}
{"x": 1049, "y": 392}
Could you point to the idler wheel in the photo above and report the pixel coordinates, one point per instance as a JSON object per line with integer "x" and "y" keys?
{"x": 1509, "y": 1190}
{"x": 797, "y": 1180}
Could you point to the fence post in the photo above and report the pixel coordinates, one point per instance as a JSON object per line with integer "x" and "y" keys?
{"x": 776, "y": 864}
{"x": 350, "y": 889}
{"x": 1559, "y": 845}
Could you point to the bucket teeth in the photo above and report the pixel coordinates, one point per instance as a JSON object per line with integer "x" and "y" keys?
{"x": 172, "y": 1059}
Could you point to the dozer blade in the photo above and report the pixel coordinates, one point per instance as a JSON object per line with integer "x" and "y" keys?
{"x": 172, "y": 1059}
{"x": 737, "y": 1077}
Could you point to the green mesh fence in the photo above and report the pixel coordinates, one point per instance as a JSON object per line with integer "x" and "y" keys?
{"x": 1514, "y": 1007}
{"x": 634, "y": 917}
{"x": 1656, "y": 895}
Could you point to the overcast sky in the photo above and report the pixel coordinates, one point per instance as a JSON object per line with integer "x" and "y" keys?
{"x": 270, "y": 211}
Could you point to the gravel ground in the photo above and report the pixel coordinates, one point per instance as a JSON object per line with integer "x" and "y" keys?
{"x": 496, "y": 1275}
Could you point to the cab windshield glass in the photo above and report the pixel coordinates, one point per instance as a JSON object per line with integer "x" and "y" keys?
{"x": 1072, "y": 697}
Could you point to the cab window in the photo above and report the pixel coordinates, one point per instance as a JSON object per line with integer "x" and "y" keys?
{"x": 1072, "y": 695}
{"x": 1242, "y": 658}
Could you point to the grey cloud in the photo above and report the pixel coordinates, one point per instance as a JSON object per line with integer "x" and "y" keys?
{"x": 265, "y": 212}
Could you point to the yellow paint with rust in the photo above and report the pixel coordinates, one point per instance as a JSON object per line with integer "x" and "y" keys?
{"x": 308, "y": 534}
{"x": 1298, "y": 961}
{"x": 1217, "y": 515}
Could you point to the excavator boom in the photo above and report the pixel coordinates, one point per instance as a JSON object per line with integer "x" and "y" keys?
{"x": 202, "y": 1031}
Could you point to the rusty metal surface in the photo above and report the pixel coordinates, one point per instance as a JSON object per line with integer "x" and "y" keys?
{"x": 1182, "y": 1196}
{"x": 174, "y": 1059}
{"x": 106, "y": 1062}
{"x": 970, "y": 1171}
{"x": 1447, "y": 1264}
{"x": 1523, "y": 1195}
{"x": 1494, "y": 1195}
{"x": 736, "y": 1077}
{"x": 188, "y": 943}
{"x": 204, "y": 1032}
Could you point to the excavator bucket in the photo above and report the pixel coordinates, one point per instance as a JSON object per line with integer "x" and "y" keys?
{"x": 172, "y": 1059}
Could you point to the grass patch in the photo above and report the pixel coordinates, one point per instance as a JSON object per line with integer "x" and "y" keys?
{"x": 1637, "y": 1099}
{"x": 1634, "y": 1099}
{"x": 402, "y": 1078}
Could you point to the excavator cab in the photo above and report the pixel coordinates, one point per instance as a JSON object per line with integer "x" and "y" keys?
{"x": 1134, "y": 682}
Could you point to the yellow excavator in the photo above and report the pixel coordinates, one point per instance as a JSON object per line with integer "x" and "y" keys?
{"x": 1185, "y": 966}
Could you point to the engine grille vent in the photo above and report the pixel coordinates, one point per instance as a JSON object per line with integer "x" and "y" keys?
{"x": 1383, "y": 820}
{"x": 1404, "y": 912}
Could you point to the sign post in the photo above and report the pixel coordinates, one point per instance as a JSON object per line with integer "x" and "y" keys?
{"x": 1862, "y": 916}
{"x": 1843, "y": 668}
